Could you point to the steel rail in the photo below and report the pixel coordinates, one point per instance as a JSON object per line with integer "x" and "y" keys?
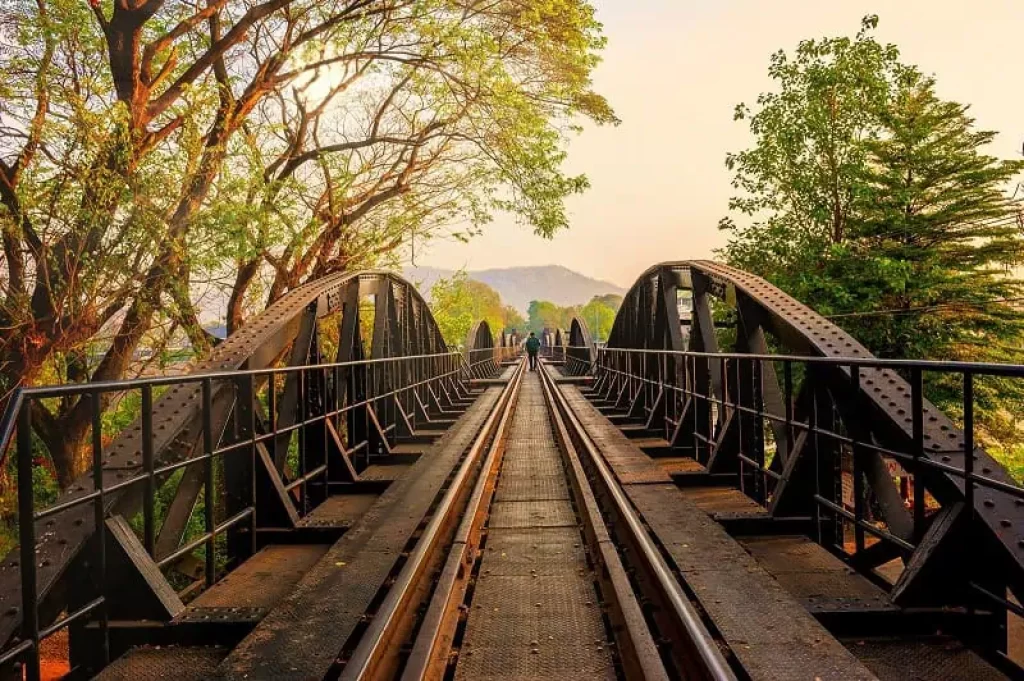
{"x": 374, "y": 646}
{"x": 638, "y": 650}
{"x": 712, "y": 663}
{"x": 427, "y": 659}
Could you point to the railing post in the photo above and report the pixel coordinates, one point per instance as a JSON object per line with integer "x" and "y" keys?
{"x": 149, "y": 500}
{"x": 787, "y": 381}
{"x": 27, "y": 537}
{"x": 303, "y": 437}
{"x": 917, "y": 416}
{"x": 208, "y": 474}
{"x": 757, "y": 436}
{"x": 969, "y": 484}
{"x": 99, "y": 517}
{"x": 858, "y": 473}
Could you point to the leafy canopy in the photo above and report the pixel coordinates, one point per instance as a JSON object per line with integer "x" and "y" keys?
{"x": 873, "y": 200}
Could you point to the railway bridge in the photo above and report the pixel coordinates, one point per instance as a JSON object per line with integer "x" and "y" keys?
{"x": 731, "y": 488}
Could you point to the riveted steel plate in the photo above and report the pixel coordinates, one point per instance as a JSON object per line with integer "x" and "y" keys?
{"x": 157, "y": 664}
{"x": 824, "y": 661}
{"x": 264, "y": 579}
{"x": 533, "y": 466}
{"x": 213, "y": 615}
{"x": 548, "y": 627}
{"x": 815, "y": 577}
{"x": 552, "y": 513}
{"x": 929, "y": 658}
{"x": 537, "y": 551}
{"x": 532, "y": 488}
{"x": 680, "y": 464}
{"x": 382, "y": 472}
{"x": 715, "y": 500}
{"x": 340, "y": 510}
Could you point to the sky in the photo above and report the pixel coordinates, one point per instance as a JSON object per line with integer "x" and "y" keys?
{"x": 675, "y": 69}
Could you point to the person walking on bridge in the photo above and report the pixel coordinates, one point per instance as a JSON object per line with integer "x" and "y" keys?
{"x": 532, "y": 346}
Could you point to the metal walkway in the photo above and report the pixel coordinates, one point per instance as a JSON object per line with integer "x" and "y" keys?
{"x": 534, "y": 612}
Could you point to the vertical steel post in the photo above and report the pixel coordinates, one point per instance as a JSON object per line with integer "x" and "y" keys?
{"x": 149, "y": 501}
{"x": 969, "y": 483}
{"x": 27, "y": 537}
{"x": 99, "y": 514}
{"x": 858, "y": 477}
{"x": 208, "y": 480}
{"x": 917, "y": 416}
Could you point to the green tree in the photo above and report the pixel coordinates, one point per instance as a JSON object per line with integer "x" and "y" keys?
{"x": 512, "y": 319}
{"x": 460, "y": 302}
{"x": 871, "y": 199}
{"x": 599, "y": 315}
{"x": 543, "y": 314}
{"x": 153, "y": 150}
{"x": 934, "y": 237}
{"x": 801, "y": 179}
{"x": 869, "y": 193}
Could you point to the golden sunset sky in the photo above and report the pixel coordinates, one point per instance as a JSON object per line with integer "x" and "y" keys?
{"x": 674, "y": 70}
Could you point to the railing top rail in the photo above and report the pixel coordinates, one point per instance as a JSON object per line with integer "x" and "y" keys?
{"x": 991, "y": 368}
{"x": 134, "y": 383}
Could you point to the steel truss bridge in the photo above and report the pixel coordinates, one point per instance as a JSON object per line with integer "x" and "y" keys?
{"x": 731, "y": 488}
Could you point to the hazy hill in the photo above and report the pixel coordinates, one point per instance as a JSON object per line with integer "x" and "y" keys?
{"x": 517, "y": 286}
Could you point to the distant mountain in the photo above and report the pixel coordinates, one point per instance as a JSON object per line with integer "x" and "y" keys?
{"x": 517, "y": 286}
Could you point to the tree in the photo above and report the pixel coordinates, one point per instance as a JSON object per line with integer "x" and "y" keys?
{"x": 934, "y": 238}
{"x": 512, "y": 320}
{"x": 869, "y": 193}
{"x": 460, "y": 302}
{"x": 543, "y": 314}
{"x": 599, "y": 315}
{"x": 801, "y": 179}
{"x": 872, "y": 201}
{"x": 151, "y": 150}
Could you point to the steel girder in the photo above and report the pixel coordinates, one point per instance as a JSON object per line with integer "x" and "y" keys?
{"x": 481, "y": 352}
{"x": 403, "y": 326}
{"x": 581, "y": 352}
{"x": 872, "y": 406}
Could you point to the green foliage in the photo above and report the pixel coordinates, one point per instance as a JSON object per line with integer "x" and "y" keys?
{"x": 801, "y": 179}
{"x": 145, "y": 160}
{"x": 598, "y": 314}
{"x": 543, "y": 314}
{"x": 870, "y": 198}
{"x": 512, "y": 319}
{"x": 460, "y": 302}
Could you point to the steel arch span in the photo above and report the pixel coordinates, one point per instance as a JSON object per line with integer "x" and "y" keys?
{"x": 356, "y": 376}
{"x": 763, "y": 391}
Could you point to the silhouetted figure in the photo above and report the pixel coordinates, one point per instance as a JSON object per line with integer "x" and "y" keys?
{"x": 532, "y": 346}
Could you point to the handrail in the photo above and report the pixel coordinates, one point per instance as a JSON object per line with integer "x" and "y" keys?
{"x": 1005, "y": 369}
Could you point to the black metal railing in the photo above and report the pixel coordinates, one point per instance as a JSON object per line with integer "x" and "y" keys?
{"x": 848, "y": 414}
{"x": 363, "y": 402}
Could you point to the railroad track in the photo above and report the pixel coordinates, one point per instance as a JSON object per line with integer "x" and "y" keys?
{"x": 535, "y": 565}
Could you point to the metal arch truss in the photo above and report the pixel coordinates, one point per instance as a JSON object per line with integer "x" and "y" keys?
{"x": 810, "y": 425}
{"x": 283, "y": 438}
{"x": 580, "y": 353}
